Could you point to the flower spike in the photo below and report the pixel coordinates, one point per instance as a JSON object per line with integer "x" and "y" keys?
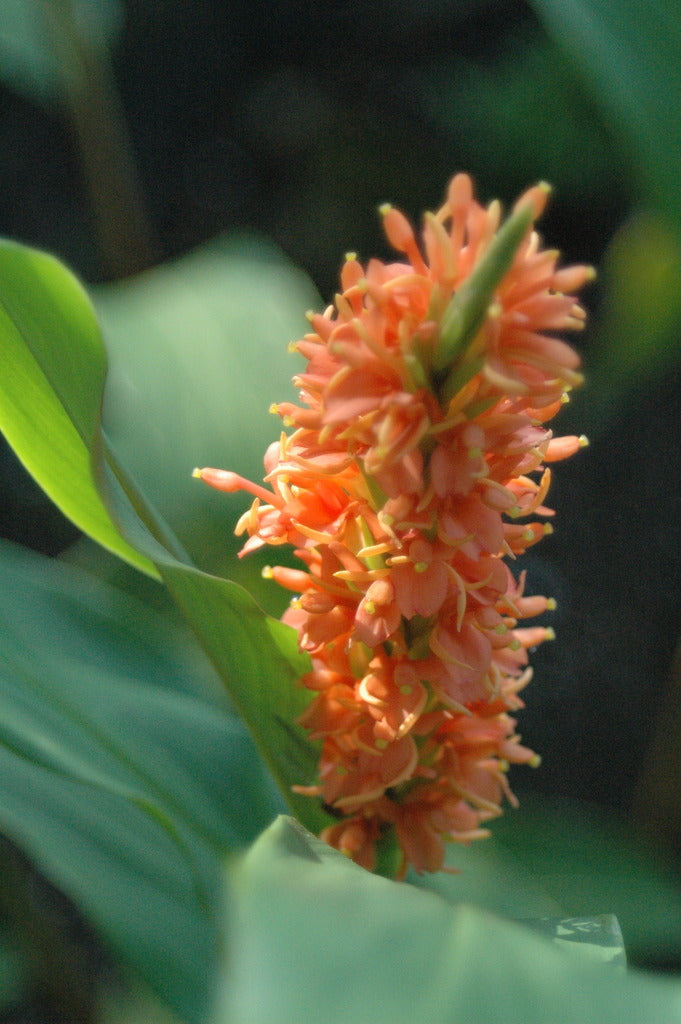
{"x": 417, "y": 455}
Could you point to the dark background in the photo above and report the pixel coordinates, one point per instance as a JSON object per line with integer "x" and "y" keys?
{"x": 132, "y": 132}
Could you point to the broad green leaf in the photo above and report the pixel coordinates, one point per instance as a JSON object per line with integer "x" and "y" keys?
{"x": 628, "y": 53}
{"x": 197, "y": 352}
{"x": 308, "y": 929}
{"x": 53, "y": 374}
{"x": 122, "y": 780}
{"x": 255, "y": 656}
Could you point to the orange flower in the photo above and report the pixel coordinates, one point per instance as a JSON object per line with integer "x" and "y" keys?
{"x": 416, "y": 467}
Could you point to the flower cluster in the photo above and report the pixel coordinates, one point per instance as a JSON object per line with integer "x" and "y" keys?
{"x": 415, "y": 473}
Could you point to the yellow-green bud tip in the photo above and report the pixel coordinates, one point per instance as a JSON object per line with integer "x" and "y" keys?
{"x": 350, "y": 257}
{"x": 266, "y": 572}
{"x": 534, "y": 761}
{"x": 384, "y": 209}
{"x": 196, "y": 473}
{"x": 550, "y": 633}
{"x": 584, "y": 441}
{"x": 551, "y": 604}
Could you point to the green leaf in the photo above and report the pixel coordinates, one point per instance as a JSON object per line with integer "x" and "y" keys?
{"x": 489, "y": 875}
{"x": 524, "y": 88}
{"x": 122, "y": 785}
{"x": 593, "y": 861}
{"x": 565, "y": 858}
{"x": 309, "y": 929}
{"x": 628, "y": 53}
{"x": 255, "y": 656}
{"x": 260, "y": 663}
{"x": 197, "y": 352}
{"x": 53, "y": 374}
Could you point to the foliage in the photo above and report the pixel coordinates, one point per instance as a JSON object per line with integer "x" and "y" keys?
{"x": 147, "y": 736}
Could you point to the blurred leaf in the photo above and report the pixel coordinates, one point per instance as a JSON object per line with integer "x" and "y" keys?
{"x": 14, "y": 973}
{"x": 489, "y": 875}
{"x": 309, "y": 929}
{"x": 27, "y": 55}
{"x": 628, "y": 53}
{"x": 593, "y": 862}
{"x": 642, "y": 311}
{"x": 637, "y": 338}
{"x": 123, "y": 787}
{"x": 562, "y": 857}
{"x": 490, "y": 108}
{"x": 256, "y": 656}
{"x": 197, "y": 353}
{"x": 133, "y": 1007}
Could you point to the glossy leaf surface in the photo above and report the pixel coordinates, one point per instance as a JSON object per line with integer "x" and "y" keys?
{"x": 53, "y": 375}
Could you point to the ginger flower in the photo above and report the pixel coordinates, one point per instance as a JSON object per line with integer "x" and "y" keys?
{"x": 414, "y": 477}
